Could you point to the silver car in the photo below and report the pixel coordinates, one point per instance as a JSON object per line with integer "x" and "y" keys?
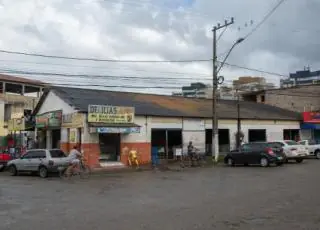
{"x": 41, "y": 161}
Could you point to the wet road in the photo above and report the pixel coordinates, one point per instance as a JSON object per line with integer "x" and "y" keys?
{"x": 222, "y": 198}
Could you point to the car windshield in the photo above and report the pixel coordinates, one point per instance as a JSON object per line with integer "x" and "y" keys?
{"x": 56, "y": 153}
{"x": 291, "y": 143}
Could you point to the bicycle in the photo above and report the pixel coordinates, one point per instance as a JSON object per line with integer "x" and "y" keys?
{"x": 83, "y": 172}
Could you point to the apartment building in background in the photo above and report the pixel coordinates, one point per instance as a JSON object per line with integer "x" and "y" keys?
{"x": 195, "y": 90}
{"x": 18, "y": 97}
{"x": 302, "y": 77}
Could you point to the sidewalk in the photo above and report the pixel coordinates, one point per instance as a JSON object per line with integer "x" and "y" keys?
{"x": 170, "y": 166}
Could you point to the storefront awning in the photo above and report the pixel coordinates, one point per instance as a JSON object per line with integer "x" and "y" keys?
{"x": 114, "y": 128}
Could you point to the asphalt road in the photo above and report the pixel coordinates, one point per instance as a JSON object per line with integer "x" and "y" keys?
{"x": 222, "y": 198}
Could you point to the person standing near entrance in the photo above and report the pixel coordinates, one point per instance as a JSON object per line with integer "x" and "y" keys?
{"x": 133, "y": 157}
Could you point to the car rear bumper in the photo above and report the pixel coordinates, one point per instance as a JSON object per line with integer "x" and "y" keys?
{"x": 3, "y": 163}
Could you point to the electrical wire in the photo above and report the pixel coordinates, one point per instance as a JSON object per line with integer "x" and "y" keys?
{"x": 108, "y": 68}
{"x": 100, "y": 60}
{"x": 265, "y": 18}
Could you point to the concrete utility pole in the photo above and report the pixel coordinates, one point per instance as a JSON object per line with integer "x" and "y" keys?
{"x": 238, "y": 120}
{"x": 215, "y": 80}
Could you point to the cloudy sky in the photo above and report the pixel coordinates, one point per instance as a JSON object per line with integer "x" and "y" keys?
{"x": 155, "y": 30}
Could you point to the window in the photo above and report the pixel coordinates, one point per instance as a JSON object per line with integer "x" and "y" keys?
{"x": 312, "y": 142}
{"x": 277, "y": 145}
{"x": 291, "y": 143}
{"x": 57, "y": 153}
{"x": 303, "y": 143}
{"x": 246, "y": 147}
{"x": 26, "y": 156}
{"x": 35, "y": 154}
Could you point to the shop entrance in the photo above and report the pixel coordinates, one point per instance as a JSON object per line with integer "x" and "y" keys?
{"x": 291, "y": 134}
{"x": 55, "y": 138}
{"x": 256, "y": 135}
{"x": 223, "y": 138}
{"x": 109, "y": 146}
{"x": 165, "y": 140}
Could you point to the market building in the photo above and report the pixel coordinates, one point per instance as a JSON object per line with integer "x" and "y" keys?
{"x": 109, "y": 124}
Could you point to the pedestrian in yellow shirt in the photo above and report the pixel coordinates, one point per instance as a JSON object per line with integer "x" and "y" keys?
{"x": 133, "y": 157}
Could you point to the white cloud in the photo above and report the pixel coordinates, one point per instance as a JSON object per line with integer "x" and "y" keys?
{"x": 156, "y": 30}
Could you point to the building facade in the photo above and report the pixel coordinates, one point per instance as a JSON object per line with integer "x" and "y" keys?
{"x": 195, "y": 90}
{"x": 299, "y": 78}
{"x": 107, "y": 125}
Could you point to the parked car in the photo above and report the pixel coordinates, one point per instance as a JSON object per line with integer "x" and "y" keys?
{"x": 261, "y": 153}
{"x": 41, "y": 161}
{"x": 312, "y": 146}
{"x": 4, "y": 159}
{"x": 293, "y": 150}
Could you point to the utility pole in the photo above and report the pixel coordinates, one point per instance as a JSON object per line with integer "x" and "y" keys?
{"x": 238, "y": 120}
{"x": 215, "y": 81}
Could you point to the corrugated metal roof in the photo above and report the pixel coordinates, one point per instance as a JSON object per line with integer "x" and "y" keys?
{"x": 10, "y": 78}
{"x": 171, "y": 106}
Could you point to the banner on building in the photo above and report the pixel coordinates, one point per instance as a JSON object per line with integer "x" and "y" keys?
{"x": 311, "y": 117}
{"x": 50, "y": 119}
{"x": 110, "y": 114}
{"x": 72, "y": 120}
{"x": 16, "y": 124}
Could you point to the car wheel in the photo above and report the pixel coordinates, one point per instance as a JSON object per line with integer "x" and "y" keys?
{"x": 299, "y": 160}
{"x": 43, "y": 172}
{"x": 264, "y": 162}
{"x": 1, "y": 168}
{"x": 317, "y": 154}
{"x": 279, "y": 164}
{"x": 230, "y": 162}
{"x": 13, "y": 170}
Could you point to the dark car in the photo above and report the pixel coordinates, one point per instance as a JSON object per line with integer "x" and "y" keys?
{"x": 261, "y": 153}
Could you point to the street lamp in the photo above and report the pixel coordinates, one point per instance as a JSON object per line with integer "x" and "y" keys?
{"x": 215, "y": 130}
{"x": 229, "y": 52}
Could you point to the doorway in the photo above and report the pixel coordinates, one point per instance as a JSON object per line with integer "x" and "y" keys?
{"x": 109, "y": 147}
{"x": 291, "y": 134}
{"x": 55, "y": 138}
{"x": 165, "y": 140}
{"x": 223, "y": 140}
{"x": 257, "y": 135}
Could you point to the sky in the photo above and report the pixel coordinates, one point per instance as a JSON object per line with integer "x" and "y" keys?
{"x": 159, "y": 30}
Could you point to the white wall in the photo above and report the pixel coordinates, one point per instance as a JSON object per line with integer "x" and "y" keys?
{"x": 53, "y": 102}
{"x": 274, "y": 128}
{"x": 194, "y": 131}
{"x": 143, "y": 136}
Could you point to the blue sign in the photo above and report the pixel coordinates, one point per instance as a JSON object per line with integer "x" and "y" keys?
{"x": 118, "y": 130}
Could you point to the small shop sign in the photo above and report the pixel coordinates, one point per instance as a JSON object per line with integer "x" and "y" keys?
{"x": 49, "y": 120}
{"x": 72, "y": 120}
{"x": 110, "y": 114}
{"x": 118, "y": 130}
{"x": 311, "y": 117}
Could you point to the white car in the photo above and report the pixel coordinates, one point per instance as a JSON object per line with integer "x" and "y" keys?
{"x": 41, "y": 161}
{"x": 312, "y": 146}
{"x": 293, "y": 150}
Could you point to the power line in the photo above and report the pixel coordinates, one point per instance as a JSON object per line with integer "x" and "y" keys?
{"x": 108, "y": 68}
{"x": 265, "y": 18}
{"x": 98, "y": 76}
{"x": 255, "y": 70}
{"x": 100, "y": 60}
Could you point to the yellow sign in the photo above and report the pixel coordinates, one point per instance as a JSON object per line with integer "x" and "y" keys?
{"x": 16, "y": 124}
{"x": 110, "y": 114}
{"x": 72, "y": 120}
{"x": 72, "y": 137}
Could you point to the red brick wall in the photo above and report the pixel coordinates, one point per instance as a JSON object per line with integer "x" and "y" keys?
{"x": 91, "y": 153}
{"x": 143, "y": 149}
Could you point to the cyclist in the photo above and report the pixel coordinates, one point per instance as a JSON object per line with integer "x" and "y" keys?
{"x": 74, "y": 160}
